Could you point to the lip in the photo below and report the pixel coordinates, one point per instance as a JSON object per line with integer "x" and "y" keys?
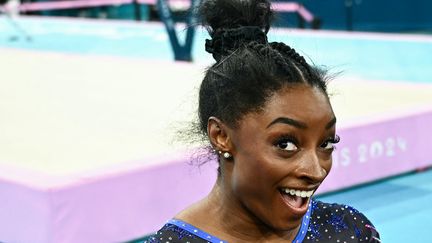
{"x": 298, "y": 212}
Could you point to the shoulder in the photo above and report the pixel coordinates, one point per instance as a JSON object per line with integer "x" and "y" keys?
{"x": 172, "y": 233}
{"x": 175, "y": 231}
{"x": 332, "y": 222}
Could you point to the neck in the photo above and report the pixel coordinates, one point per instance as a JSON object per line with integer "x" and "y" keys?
{"x": 234, "y": 221}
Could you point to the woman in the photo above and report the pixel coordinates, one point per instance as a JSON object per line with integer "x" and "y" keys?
{"x": 268, "y": 118}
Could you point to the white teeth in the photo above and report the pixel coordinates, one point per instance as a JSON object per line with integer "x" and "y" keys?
{"x": 298, "y": 193}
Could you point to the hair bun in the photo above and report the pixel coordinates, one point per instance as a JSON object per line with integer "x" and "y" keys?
{"x": 226, "y": 40}
{"x": 231, "y": 22}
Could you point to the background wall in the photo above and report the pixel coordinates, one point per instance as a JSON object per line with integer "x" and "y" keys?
{"x": 359, "y": 15}
{"x": 373, "y": 15}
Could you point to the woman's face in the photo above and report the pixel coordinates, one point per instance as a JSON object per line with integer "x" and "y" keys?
{"x": 285, "y": 148}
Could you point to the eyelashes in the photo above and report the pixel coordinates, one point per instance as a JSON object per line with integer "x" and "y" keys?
{"x": 290, "y": 143}
{"x": 330, "y": 144}
{"x": 287, "y": 143}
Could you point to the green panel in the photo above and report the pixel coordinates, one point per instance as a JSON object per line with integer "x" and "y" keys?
{"x": 127, "y": 11}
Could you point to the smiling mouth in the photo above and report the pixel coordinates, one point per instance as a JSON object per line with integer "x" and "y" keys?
{"x": 296, "y": 198}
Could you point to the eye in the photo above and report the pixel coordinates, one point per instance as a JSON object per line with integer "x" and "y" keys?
{"x": 329, "y": 144}
{"x": 286, "y": 144}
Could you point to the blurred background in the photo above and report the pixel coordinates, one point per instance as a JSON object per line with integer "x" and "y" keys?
{"x": 95, "y": 94}
{"x": 359, "y": 15}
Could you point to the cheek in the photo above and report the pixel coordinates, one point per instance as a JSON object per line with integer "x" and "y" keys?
{"x": 256, "y": 173}
{"x": 249, "y": 174}
{"x": 246, "y": 168}
{"x": 247, "y": 160}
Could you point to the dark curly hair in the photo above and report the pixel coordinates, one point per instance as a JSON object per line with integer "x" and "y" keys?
{"x": 248, "y": 68}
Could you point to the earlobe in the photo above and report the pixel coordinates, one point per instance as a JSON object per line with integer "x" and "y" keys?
{"x": 218, "y": 134}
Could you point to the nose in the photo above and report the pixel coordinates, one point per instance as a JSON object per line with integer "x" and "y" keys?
{"x": 311, "y": 168}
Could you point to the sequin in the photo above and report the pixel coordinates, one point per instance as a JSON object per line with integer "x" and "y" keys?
{"x": 181, "y": 233}
{"x": 340, "y": 223}
{"x": 323, "y": 223}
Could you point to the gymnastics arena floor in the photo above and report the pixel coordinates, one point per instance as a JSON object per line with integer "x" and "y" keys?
{"x": 90, "y": 112}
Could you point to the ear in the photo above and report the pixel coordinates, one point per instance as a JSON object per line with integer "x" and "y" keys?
{"x": 218, "y": 134}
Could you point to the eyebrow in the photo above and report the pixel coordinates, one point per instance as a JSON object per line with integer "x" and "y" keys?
{"x": 298, "y": 124}
{"x": 288, "y": 121}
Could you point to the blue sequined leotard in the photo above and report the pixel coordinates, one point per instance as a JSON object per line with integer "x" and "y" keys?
{"x": 324, "y": 222}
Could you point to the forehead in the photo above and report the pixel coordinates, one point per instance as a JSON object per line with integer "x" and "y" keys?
{"x": 300, "y": 102}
